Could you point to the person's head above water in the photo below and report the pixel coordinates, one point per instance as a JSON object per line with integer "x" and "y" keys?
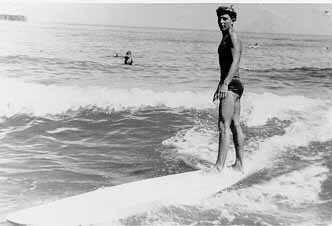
{"x": 223, "y": 10}
{"x": 128, "y": 58}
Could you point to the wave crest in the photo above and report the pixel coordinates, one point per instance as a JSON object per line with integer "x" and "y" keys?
{"x": 17, "y": 97}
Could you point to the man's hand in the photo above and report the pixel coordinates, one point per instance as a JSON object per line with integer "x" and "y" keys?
{"x": 223, "y": 91}
{"x": 220, "y": 93}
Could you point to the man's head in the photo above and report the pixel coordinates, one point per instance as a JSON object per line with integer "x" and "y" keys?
{"x": 222, "y": 10}
{"x": 226, "y": 17}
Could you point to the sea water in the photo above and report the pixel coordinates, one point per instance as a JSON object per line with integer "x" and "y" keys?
{"x": 73, "y": 118}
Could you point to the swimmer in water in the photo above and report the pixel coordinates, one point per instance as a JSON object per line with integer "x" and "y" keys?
{"x": 128, "y": 58}
{"x": 254, "y": 46}
{"x": 229, "y": 90}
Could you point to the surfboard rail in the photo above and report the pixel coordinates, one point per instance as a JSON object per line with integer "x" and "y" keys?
{"x": 116, "y": 202}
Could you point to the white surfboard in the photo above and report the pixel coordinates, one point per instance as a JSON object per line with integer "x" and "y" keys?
{"x": 113, "y": 203}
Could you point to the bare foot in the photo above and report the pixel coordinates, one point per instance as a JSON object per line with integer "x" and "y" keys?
{"x": 238, "y": 167}
{"x": 217, "y": 168}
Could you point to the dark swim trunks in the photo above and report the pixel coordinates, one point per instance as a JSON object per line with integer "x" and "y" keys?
{"x": 236, "y": 86}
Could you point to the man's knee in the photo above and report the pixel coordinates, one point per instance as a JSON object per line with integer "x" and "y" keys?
{"x": 236, "y": 127}
{"x": 236, "y": 124}
{"x": 223, "y": 127}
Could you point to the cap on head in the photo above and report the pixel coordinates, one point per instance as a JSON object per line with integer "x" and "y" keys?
{"x": 227, "y": 10}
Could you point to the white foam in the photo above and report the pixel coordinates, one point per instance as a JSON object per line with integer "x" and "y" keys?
{"x": 195, "y": 143}
{"x": 277, "y": 196}
{"x": 19, "y": 97}
{"x": 258, "y": 108}
{"x": 298, "y": 187}
{"x": 63, "y": 129}
{"x": 329, "y": 116}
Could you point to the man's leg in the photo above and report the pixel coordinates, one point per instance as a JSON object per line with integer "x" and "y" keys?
{"x": 238, "y": 136}
{"x": 226, "y": 112}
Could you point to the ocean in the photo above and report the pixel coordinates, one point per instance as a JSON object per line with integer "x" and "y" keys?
{"x": 73, "y": 118}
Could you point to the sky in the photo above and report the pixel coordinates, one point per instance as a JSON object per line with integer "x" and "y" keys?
{"x": 300, "y": 18}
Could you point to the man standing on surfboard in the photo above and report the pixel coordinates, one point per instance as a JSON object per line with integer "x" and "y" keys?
{"x": 229, "y": 90}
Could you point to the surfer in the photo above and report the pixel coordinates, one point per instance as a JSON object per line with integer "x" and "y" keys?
{"x": 229, "y": 90}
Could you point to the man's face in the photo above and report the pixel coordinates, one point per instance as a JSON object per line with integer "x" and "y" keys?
{"x": 224, "y": 22}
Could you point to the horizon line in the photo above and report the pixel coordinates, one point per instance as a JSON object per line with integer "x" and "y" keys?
{"x": 168, "y": 28}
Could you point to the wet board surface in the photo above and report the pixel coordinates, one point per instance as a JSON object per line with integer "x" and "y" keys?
{"x": 113, "y": 203}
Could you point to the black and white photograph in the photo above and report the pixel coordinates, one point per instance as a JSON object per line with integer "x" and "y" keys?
{"x": 165, "y": 113}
